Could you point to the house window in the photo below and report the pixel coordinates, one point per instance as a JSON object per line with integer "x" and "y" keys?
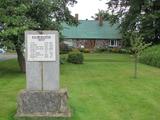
{"x": 113, "y": 43}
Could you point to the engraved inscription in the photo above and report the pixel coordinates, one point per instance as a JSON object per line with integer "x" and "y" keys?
{"x": 41, "y": 47}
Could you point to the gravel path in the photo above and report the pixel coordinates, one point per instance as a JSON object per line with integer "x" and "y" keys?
{"x": 7, "y": 56}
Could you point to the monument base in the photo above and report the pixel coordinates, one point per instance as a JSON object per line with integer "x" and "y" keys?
{"x": 42, "y": 104}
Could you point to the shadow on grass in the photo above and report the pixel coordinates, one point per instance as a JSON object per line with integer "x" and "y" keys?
{"x": 9, "y": 68}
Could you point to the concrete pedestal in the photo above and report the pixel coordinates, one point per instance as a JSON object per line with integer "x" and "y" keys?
{"x": 42, "y": 104}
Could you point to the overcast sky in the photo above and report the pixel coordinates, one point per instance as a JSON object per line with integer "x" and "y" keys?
{"x": 87, "y": 8}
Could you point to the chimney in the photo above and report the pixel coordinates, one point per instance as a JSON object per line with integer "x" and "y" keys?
{"x": 76, "y": 17}
{"x": 100, "y": 20}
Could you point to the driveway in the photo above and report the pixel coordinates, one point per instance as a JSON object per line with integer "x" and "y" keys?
{"x": 7, "y": 56}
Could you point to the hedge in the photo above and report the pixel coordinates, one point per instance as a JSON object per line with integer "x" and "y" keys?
{"x": 151, "y": 56}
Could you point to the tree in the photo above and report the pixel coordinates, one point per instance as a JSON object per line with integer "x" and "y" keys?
{"x": 137, "y": 46}
{"x": 16, "y": 16}
{"x": 141, "y": 15}
{"x": 105, "y": 15}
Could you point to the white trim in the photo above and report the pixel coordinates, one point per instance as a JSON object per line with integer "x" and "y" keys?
{"x": 115, "y": 43}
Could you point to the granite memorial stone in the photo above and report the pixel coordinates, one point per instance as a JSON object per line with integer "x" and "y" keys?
{"x": 42, "y": 97}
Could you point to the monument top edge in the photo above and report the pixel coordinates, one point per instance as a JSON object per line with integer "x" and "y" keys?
{"x": 41, "y": 32}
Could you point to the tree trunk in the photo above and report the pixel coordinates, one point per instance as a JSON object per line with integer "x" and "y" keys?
{"x": 21, "y": 60}
{"x": 135, "y": 68}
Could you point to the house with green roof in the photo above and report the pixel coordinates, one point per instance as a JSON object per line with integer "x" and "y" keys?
{"x": 92, "y": 34}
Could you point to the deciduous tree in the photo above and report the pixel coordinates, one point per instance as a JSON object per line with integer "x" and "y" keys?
{"x": 137, "y": 46}
{"x": 16, "y": 16}
{"x": 141, "y": 15}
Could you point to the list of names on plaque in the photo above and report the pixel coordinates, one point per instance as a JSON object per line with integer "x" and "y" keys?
{"x": 41, "y": 47}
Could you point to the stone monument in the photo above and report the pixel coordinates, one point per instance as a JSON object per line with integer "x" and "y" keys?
{"x": 42, "y": 98}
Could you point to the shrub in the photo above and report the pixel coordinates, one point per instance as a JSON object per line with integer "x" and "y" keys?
{"x": 84, "y": 50}
{"x": 75, "y": 50}
{"x": 75, "y": 57}
{"x": 81, "y": 49}
{"x": 125, "y": 51}
{"x": 62, "y": 60}
{"x": 151, "y": 56}
{"x": 115, "y": 50}
{"x": 100, "y": 50}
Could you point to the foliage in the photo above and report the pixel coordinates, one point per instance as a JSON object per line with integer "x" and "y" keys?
{"x": 125, "y": 50}
{"x": 75, "y": 50}
{"x": 62, "y": 59}
{"x": 16, "y": 16}
{"x": 105, "y": 16}
{"x": 137, "y": 46}
{"x": 133, "y": 15}
{"x": 113, "y": 50}
{"x": 109, "y": 49}
{"x": 75, "y": 57}
{"x": 101, "y": 50}
{"x": 84, "y": 50}
{"x": 151, "y": 56}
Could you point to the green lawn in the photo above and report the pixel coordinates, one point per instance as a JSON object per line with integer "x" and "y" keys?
{"x": 103, "y": 88}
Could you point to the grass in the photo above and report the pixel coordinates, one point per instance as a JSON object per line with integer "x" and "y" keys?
{"x": 103, "y": 88}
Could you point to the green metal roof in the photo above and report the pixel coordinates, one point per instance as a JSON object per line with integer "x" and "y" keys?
{"x": 90, "y": 29}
